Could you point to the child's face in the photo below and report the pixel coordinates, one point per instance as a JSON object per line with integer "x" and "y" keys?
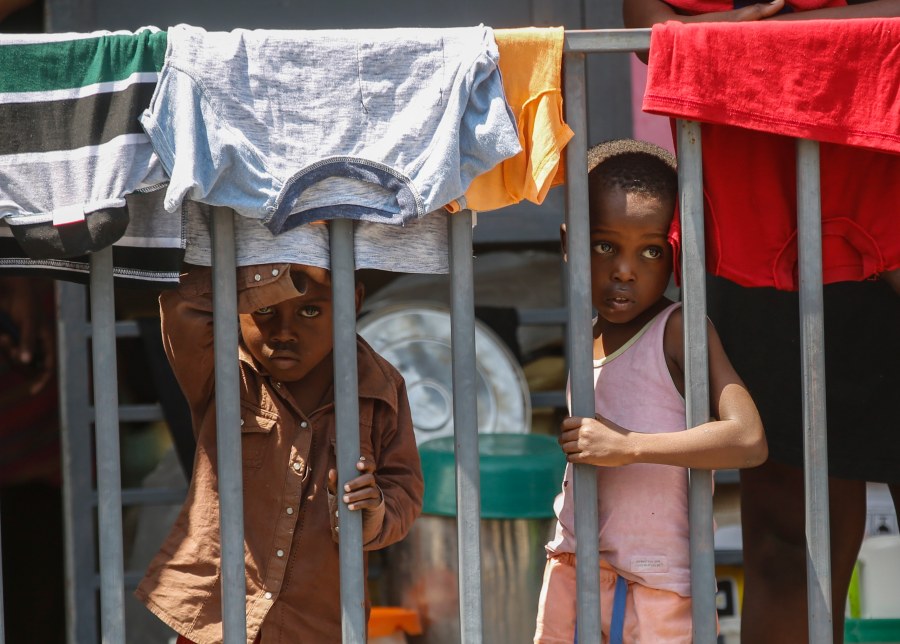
{"x": 289, "y": 339}
{"x": 631, "y": 259}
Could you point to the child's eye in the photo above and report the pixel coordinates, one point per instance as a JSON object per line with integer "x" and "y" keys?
{"x": 266, "y": 310}
{"x": 310, "y": 311}
{"x": 602, "y": 248}
{"x": 654, "y": 252}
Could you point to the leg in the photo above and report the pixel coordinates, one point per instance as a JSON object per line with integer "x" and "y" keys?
{"x": 772, "y": 515}
{"x": 556, "y": 607}
{"x": 657, "y": 616}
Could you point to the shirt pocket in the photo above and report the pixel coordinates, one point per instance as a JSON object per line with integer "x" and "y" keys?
{"x": 256, "y": 431}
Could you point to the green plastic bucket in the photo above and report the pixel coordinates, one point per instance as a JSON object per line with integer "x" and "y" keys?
{"x": 520, "y": 475}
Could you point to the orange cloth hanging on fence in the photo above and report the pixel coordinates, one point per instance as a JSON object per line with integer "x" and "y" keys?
{"x": 530, "y": 64}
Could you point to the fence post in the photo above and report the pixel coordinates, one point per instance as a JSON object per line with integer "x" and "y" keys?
{"x": 815, "y": 441}
{"x": 346, "y": 400}
{"x": 578, "y": 346}
{"x": 228, "y": 435}
{"x": 465, "y": 427}
{"x": 696, "y": 376}
{"x": 77, "y": 463}
{"x": 109, "y": 472}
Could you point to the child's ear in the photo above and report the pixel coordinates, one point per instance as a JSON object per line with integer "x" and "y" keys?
{"x": 360, "y": 295}
{"x": 563, "y": 241}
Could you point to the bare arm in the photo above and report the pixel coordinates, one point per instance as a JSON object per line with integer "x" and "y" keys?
{"x": 735, "y": 436}
{"x": 874, "y": 9}
{"x": 646, "y": 13}
{"x": 735, "y": 440}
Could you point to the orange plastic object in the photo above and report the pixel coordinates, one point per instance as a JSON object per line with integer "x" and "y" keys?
{"x": 387, "y": 620}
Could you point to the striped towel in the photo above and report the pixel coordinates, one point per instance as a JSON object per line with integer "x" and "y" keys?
{"x": 77, "y": 171}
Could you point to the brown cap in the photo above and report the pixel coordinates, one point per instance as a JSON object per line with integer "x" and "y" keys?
{"x": 301, "y": 274}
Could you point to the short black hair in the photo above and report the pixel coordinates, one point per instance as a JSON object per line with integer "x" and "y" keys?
{"x": 632, "y": 166}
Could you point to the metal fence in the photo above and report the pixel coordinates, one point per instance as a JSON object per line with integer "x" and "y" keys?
{"x": 103, "y": 327}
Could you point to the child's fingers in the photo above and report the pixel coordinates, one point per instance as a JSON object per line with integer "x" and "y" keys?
{"x": 367, "y": 467}
{"x": 568, "y": 440}
{"x": 360, "y": 482}
{"x": 361, "y": 492}
{"x": 571, "y": 422}
{"x": 364, "y": 498}
{"x": 332, "y": 481}
{"x": 364, "y": 465}
{"x": 572, "y": 427}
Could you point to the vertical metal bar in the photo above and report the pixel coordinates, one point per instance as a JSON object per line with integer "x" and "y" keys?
{"x": 465, "y": 427}
{"x": 815, "y": 442}
{"x": 77, "y": 463}
{"x": 578, "y": 346}
{"x": 109, "y": 475}
{"x": 696, "y": 376}
{"x": 228, "y": 434}
{"x": 346, "y": 400}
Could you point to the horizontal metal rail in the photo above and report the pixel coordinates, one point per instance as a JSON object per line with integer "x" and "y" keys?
{"x": 607, "y": 41}
{"x": 135, "y": 413}
{"x": 149, "y": 496}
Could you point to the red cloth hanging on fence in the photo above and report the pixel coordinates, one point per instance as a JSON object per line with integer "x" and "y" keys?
{"x": 756, "y": 85}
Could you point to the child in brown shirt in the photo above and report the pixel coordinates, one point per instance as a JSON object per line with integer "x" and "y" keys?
{"x": 288, "y": 451}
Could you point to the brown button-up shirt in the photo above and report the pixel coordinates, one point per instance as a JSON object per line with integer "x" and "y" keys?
{"x": 290, "y": 542}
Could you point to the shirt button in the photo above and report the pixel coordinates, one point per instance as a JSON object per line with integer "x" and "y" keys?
{"x": 280, "y": 553}
{"x": 304, "y": 424}
{"x": 290, "y": 510}
{"x": 257, "y": 277}
{"x": 268, "y": 595}
{"x": 278, "y": 385}
{"x": 274, "y": 272}
{"x": 296, "y": 466}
